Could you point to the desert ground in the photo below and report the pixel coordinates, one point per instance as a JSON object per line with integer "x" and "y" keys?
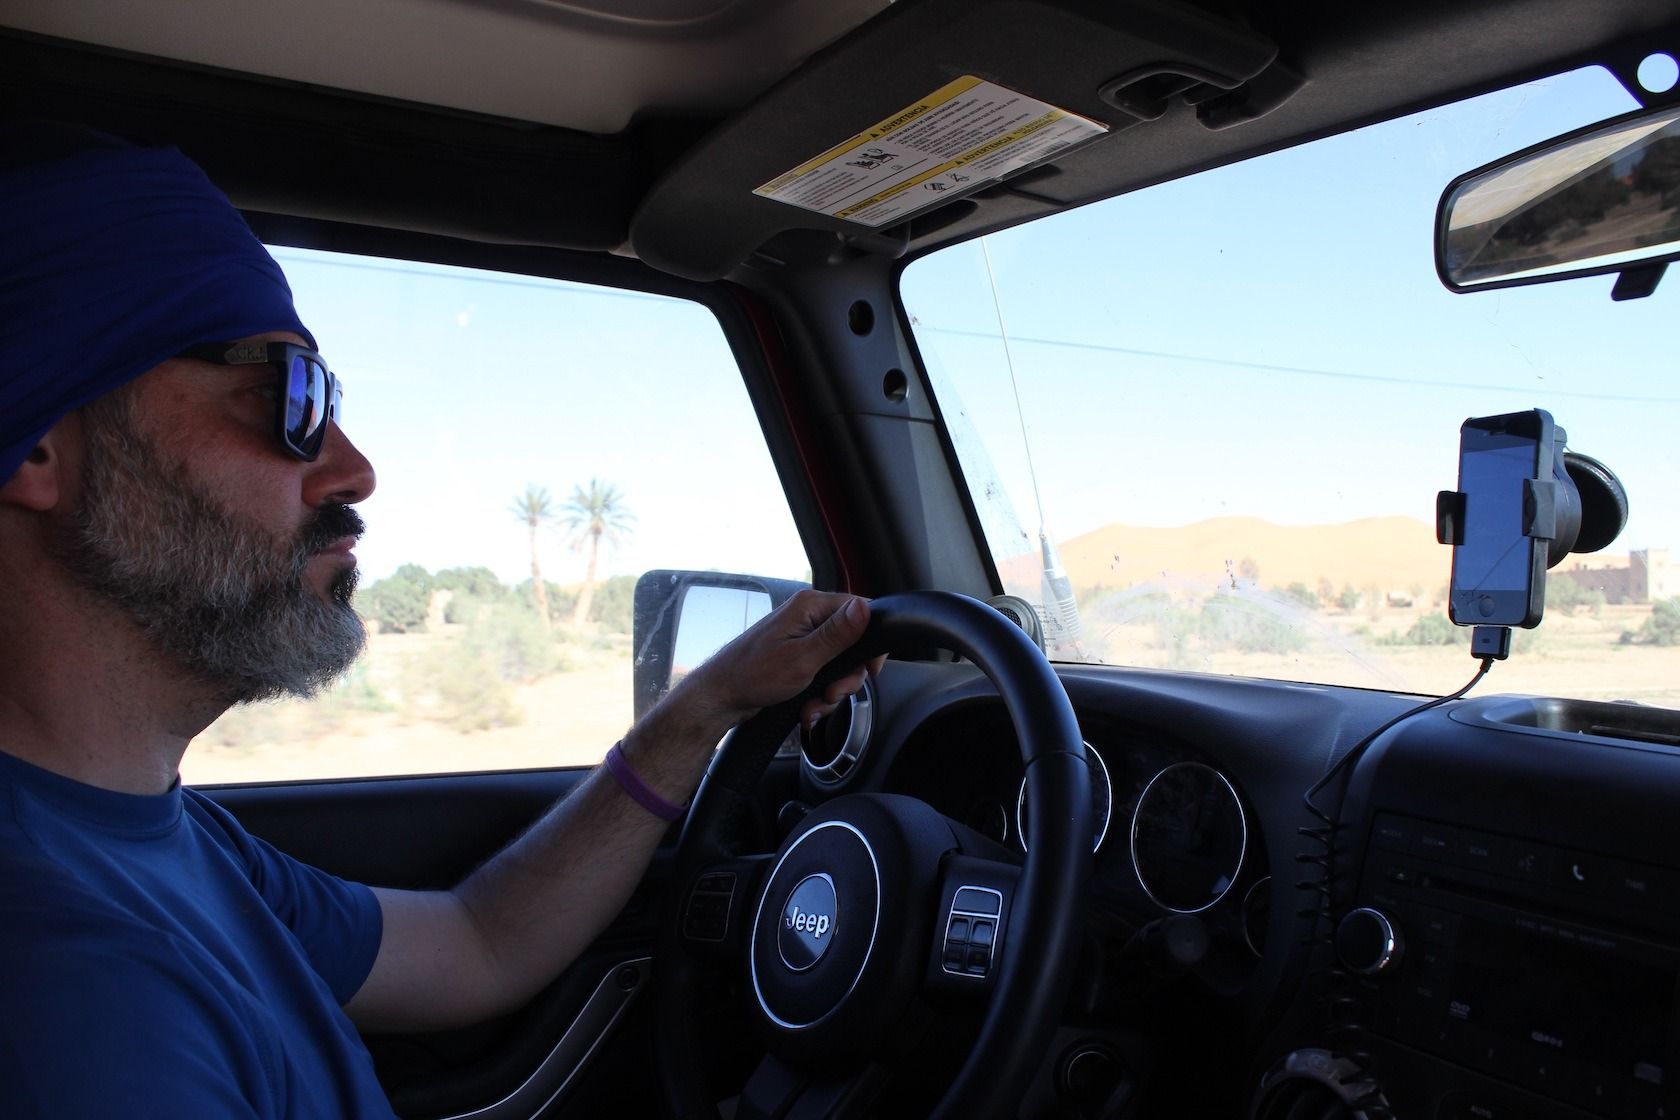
{"x": 567, "y": 718}
{"x": 570, "y": 716}
{"x": 1577, "y": 656}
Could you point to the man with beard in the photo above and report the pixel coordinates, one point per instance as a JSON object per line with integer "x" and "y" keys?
{"x": 176, "y": 524}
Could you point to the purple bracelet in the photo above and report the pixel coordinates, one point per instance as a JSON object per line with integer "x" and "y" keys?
{"x": 640, "y": 792}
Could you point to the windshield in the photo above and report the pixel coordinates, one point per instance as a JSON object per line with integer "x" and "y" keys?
{"x": 1204, "y": 424}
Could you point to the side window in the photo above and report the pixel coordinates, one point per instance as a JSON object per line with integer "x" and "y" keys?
{"x": 519, "y": 427}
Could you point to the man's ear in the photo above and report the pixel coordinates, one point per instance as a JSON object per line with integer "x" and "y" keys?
{"x": 42, "y": 480}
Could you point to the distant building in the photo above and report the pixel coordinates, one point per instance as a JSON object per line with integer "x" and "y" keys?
{"x": 1646, "y": 575}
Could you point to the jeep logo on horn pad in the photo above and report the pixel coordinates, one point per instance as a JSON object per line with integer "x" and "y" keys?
{"x": 808, "y": 920}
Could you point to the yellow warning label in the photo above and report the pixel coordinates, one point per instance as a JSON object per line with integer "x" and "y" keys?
{"x": 964, "y": 135}
{"x": 886, "y": 128}
{"x": 998, "y": 145}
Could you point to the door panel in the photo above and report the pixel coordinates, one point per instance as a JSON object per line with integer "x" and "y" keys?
{"x": 590, "y": 1026}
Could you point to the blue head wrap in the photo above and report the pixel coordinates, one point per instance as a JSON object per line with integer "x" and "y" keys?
{"x": 113, "y": 260}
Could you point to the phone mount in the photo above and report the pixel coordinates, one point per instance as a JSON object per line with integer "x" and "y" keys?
{"x": 1582, "y": 507}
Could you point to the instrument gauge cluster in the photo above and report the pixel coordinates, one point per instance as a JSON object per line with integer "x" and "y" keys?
{"x": 1170, "y": 834}
{"x": 1189, "y": 837}
{"x": 1102, "y": 801}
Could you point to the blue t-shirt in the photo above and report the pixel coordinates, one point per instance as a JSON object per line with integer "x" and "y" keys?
{"x": 156, "y": 960}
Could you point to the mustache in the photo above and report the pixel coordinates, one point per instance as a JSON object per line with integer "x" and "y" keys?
{"x": 331, "y": 523}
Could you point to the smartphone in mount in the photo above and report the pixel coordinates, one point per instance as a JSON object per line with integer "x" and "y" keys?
{"x": 1505, "y": 521}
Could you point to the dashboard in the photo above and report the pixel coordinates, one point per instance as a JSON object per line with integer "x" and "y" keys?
{"x": 1171, "y": 831}
{"x": 1491, "y": 931}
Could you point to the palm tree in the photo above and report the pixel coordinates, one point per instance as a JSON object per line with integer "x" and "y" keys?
{"x": 535, "y": 508}
{"x": 593, "y": 514}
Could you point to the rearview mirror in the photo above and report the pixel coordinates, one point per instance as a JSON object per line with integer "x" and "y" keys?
{"x": 1603, "y": 199}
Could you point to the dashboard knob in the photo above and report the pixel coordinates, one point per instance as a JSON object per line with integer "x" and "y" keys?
{"x": 1186, "y": 939}
{"x": 1367, "y": 942}
{"x": 1093, "y": 1074}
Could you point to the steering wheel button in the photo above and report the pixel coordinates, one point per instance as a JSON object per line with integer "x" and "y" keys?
{"x": 982, "y": 934}
{"x": 976, "y": 900}
{"x": 708, "y": 918}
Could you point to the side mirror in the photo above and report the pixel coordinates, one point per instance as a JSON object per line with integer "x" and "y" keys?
{"x": 1603, "y": 199}
{"x": 682, "y": 618}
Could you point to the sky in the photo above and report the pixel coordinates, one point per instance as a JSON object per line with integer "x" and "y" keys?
{"x": 1268, "y": 340}
{"x": 466, "y": 387}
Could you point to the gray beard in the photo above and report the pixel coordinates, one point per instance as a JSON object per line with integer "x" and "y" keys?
{"x": 224, "y": 599}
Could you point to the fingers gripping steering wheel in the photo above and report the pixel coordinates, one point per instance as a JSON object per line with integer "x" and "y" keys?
{"x": 876, "y": 907}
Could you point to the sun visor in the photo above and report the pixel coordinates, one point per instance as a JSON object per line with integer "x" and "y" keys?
{"x": 898, "y": 127}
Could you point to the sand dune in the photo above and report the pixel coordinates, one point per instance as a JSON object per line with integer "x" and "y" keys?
{"x": 1390, "y": 553}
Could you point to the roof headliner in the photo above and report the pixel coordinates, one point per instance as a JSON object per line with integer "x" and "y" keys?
{"x": 586, "y": 65}
{"x": 502, "y": 140}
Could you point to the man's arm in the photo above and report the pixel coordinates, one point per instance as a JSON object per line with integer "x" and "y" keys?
{"x": 453, "y": 957}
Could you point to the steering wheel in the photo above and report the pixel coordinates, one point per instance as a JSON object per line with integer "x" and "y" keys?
{"x": 876, "y": 910}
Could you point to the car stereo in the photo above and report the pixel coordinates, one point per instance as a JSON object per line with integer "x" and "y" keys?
{"x": 1545, "y": 968}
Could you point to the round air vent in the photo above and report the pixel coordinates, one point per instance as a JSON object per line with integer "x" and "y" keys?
{"x": 833, "y": 748}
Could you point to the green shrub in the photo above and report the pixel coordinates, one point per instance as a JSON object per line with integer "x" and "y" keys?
{"x": 354, "y": 692}
{"x": 1247, "y": 625}
{"x": 1088, "y": 597}
{"x": 461, "y": 688}
{"x": 246, "y": 725}
{"x": 1429, "y": 630}
{"x": 1299, "y": 592}
{"x": 512, "y": 641}
{"x": 1435, "y": 630}
{"x": 1565, "y": 596}
{"x": 1175, "y": 630}
{"x": 476, "y": 583}
{"x": 614, "y": 604}
{"x": 1662, "y": 628}
{"x": 561, "y": 600}
{"x": 1225, "y": 622}
{"x": 415, "y": 574}
{"x": 467, "y": 681}
{"x": 399, "y": 604}
{"x": 462, "y": 608}
{"x": 277, "y": 721}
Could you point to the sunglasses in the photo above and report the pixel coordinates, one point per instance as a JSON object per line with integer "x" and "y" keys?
{"x": 308, "y": 393}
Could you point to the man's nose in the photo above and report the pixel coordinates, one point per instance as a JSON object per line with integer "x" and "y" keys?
{"x": 340, "y": 473}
